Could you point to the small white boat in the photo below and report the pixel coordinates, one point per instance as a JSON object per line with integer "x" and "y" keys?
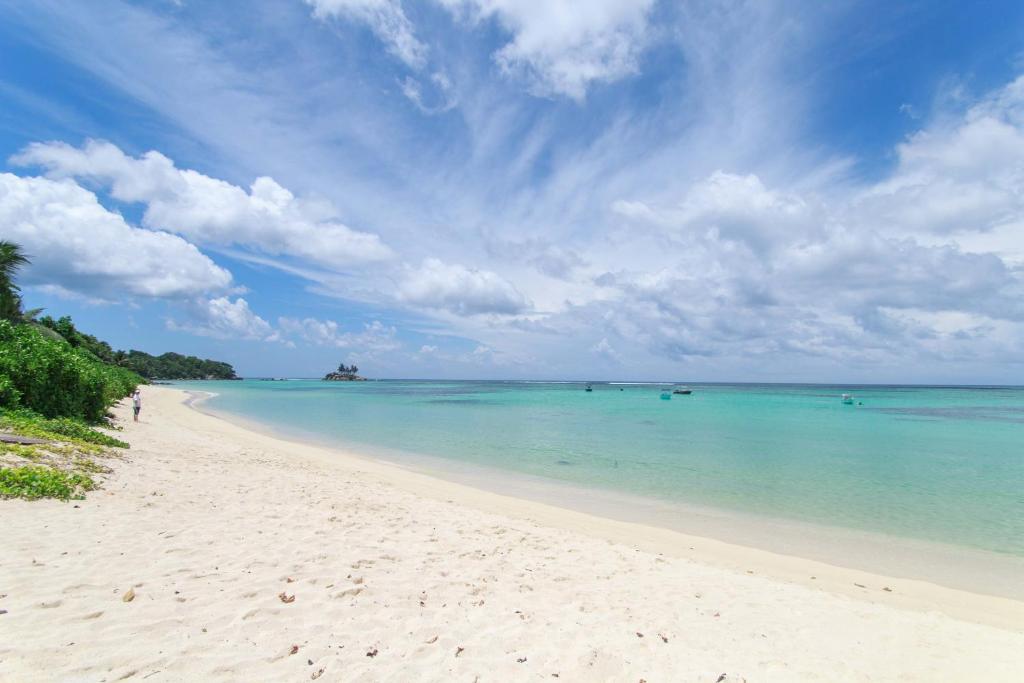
{"x": 685, "y": 391}
{"x": 848, "y": 399}
{"x": 589, "y": 388}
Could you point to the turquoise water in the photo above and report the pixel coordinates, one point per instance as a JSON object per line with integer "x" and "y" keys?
{"x": 939, "y": 464}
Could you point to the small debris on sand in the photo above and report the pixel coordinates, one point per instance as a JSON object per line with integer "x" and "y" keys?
{"x": 285, "y": 598}
{"x": 128, "y": 596}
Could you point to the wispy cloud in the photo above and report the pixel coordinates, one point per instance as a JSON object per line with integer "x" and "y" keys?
{"x": 645, "y": 181}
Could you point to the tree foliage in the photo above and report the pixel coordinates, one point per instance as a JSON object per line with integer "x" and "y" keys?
{"x": 11, "y": 260}
{"x": 166, "y": 366}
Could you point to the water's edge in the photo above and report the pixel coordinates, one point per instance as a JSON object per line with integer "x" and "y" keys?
{"x": 963, "y": 568}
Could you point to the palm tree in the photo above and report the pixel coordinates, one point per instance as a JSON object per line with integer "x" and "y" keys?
{"x": 11, "y": 260}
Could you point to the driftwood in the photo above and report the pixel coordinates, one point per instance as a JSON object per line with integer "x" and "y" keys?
{"x": 22, "y": 440}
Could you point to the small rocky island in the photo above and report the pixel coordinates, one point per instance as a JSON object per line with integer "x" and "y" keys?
{"x": 344, "y": 373}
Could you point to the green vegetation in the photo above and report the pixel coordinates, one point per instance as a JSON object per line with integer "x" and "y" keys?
{"x": 345, "y": 373}
{"x": 54, "y": 383}
{"x": 165, "y": 366}
{"x": 54, "y": 379}
{"x": 36, "y": 481}
{"x": 176, "y": 366}
{"x": 56, "y": 429}
{"x": 11, "y": 260}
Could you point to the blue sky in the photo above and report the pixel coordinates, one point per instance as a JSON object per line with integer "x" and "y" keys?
{"x": 523, "y": 189}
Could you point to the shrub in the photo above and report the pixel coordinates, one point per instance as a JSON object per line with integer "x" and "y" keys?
{"x": 28, "y": 423}
{"x": 54, "y": 379}
{"x": 34, "y": 481}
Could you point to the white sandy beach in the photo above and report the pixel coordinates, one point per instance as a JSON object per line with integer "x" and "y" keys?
{"x": 254, "y": 558}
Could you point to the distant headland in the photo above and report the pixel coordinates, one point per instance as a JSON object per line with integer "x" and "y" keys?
{"x": 344, "y": 373}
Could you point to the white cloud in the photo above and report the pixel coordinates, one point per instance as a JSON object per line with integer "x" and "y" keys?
{"x": 962, "y": 176}
{"x": 436, "y": 102}
{"x": 268, "y": 218}
{"x": 460, "y": 290}
{"x": 375, "y": 337}
{"x": 80, "y": 246}
{"x": 741, "y": 208}
{"x": 222, "y": 318}
{"x": 605, "y": 350}
{"x": 562, "y": 47}
{"x": 559, "y": 47}
{"x": 385, "y": 18}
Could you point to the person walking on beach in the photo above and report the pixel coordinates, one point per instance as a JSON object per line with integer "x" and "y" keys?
{"x": 136, "y": 403}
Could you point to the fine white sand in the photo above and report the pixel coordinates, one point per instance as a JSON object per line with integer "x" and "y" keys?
{"x": 402, "y": 577}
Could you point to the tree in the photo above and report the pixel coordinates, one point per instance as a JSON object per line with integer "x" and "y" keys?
{"x": 11, "y": 261}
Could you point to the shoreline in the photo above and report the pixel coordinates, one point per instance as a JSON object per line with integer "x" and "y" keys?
{"x": 907, "y": 591}
{"x": 213, "y": 552}
{"x": 962, "y": 568}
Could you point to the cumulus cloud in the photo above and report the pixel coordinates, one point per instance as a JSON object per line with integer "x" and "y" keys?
{"x": 926, "y": 263}
{"x": 80, "y": 246}
{"x": 375, "y": 337}
{"x": 222, "y": 318}
{"x": 562, "y": 47}
{"x": 808, "y": 279}
{"x": 460, "y": 290}
{"x": 385, "y": 18}
{"x": 741, "y": 208}
{"x": 266, "y": 218}
{"x": 961, "y": 177}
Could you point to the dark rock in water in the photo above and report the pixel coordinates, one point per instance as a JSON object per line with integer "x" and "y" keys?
{"x": 343, "y": 377}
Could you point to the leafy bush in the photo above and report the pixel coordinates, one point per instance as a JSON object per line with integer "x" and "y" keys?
{"x": 54, "y": 379}
{"x": 9, "y": 395}
{"x": 28, "y": 423}
{"x": 34, "y": 481}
